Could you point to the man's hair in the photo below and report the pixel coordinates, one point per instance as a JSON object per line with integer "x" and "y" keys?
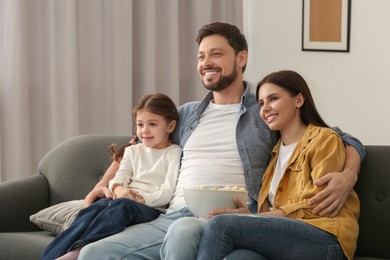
{"x": 230, "y": 32}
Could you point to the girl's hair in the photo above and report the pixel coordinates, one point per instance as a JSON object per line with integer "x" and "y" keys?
{"x": 159, "y": 104}
{"x": 230, "y": 32}
{"x": 294, "y": 83}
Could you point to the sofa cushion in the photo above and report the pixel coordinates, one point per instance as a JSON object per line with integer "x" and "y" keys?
{"x": 373, "y": 188}
{"x": 57, "y": 218}
{"x": 23, "y": 245}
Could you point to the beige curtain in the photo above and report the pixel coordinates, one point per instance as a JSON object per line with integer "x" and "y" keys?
{"x": 70, "y": 67}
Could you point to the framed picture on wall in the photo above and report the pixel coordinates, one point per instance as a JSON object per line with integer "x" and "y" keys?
{"x": 326, "y": 25}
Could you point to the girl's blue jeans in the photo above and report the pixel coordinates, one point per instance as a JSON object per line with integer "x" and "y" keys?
{"x": 101, "y": 219}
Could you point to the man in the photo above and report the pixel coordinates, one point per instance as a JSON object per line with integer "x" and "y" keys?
{"x": 224, "y": 141}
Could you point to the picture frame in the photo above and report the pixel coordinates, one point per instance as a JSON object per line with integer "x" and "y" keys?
{"x": 326, "y": 25}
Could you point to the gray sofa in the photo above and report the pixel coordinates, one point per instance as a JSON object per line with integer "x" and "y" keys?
{"x": 73, "y": 167}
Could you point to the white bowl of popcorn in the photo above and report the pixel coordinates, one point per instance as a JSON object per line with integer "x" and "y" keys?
{"x": 201, "y": 200}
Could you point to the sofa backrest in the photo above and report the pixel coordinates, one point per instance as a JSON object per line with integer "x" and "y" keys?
{"x": 73, "y": 167}
{"x": 373, "y": 189}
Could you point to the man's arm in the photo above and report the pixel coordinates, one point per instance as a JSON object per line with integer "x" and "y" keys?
{"x": 352, "y": 141}
{"x": 101, "y": 188}
{"x": 338, "y": 185}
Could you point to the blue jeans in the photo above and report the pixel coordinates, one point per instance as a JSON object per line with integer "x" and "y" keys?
{"x": 101, "y": 219}
{"x": 183, "y": 238}
{"x": 142, "y": 241}
{"x": 269, "y": 237}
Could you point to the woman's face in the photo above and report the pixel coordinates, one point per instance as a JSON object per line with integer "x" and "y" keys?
{"x": 278, "y": 108}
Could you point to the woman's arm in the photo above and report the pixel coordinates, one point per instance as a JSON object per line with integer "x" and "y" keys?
{"x": 325, "y": 155}
{"x": 338, "y": 186}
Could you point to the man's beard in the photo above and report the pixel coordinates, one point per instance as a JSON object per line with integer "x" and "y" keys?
{"x": 223, "y": 82}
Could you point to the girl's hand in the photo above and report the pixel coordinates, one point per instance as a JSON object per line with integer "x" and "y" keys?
{"x": 122, "y": 192}
{"x": 241, "y": 209}
{"x": 137, "y": 197}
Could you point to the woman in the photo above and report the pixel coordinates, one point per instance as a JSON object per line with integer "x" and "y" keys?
{"x": 285, "y": 227}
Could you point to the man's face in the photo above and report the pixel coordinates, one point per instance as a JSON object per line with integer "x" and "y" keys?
{"x": 217, "y": 65}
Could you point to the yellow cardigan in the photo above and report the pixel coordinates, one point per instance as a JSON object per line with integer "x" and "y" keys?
{"x": 319, "y": 152}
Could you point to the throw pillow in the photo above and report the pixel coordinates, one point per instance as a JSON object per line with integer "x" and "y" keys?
{"x": 57, "y": 218}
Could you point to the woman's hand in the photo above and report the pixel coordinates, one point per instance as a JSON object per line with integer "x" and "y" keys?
{"x": 275, "y": 213}
{"x": 241, "y": 209}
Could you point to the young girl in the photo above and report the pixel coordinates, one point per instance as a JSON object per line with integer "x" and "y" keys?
{"x": 142, "y": 187}
{"x": 285, "y": 227}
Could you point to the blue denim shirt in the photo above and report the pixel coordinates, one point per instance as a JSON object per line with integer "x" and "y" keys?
{"x": 254, "y": 139}
{"x": 350, "y": 140}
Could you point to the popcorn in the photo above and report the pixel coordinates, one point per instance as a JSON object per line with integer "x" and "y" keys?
{"x": 231, "y": 188}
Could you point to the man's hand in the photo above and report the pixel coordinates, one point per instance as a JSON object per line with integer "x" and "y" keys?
{"x": 100, "y": 190}
{"x": 133, "y": 141}
{"x": 241, "y": 208}
{"x": 332, "y": 198}
{"x": 338, "y": 186}
{"x": 97, "y": 193}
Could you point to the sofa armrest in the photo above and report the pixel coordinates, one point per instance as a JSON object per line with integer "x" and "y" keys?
{"x": 21, "y": 198}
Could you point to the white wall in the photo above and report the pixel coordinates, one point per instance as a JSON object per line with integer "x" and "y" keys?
{"x": 352, "y": 89}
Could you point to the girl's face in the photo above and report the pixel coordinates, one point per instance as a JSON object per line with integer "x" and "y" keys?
{"x": 153, "y": 130}
{"x": 277, "y": 107}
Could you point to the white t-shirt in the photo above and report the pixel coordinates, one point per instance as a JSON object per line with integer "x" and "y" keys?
{"x": 210, "y": 156}
{"x": 285, "y": 153}
{"x": 151, "y": 172}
